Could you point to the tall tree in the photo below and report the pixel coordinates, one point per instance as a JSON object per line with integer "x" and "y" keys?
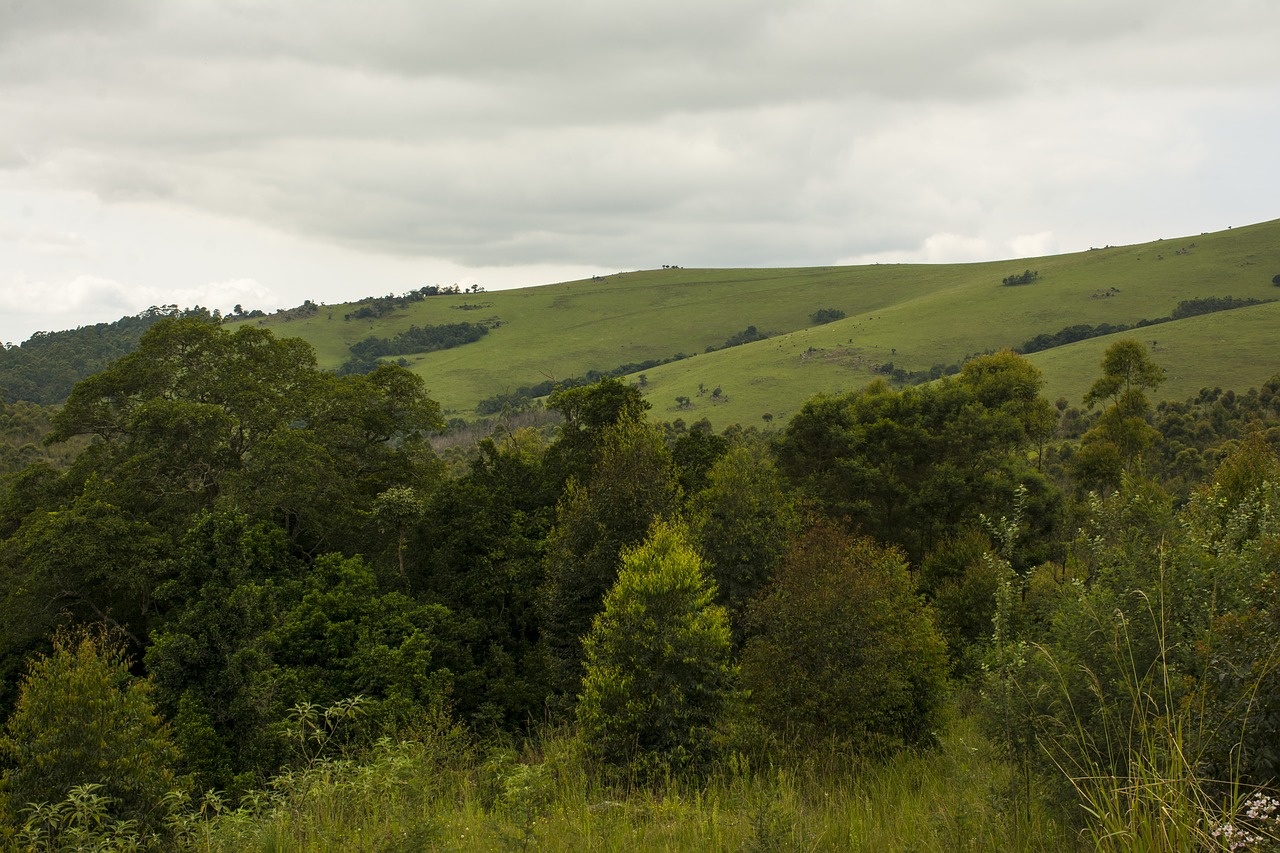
{"x": 632, "y": 484}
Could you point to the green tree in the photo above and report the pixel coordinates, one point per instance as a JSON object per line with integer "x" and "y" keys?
{"x": 842, "y": 647}
{"x": 1124, "y": 430}
{"x": 633, "y": 484}
{"x": 81, "y": 718}
{"x": 743, "y": 521}
{"x": 659, "y": 675}
{"x": 912, "y": 467}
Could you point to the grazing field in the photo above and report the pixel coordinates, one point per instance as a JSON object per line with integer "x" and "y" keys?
{"x": 913, "y": 316}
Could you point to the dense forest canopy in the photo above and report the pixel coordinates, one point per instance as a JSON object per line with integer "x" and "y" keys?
{"x": 249, "y": 547}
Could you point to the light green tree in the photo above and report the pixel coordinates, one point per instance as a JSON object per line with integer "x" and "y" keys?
{"x": 82, "y": 719}
{"x": 659, "y": 675}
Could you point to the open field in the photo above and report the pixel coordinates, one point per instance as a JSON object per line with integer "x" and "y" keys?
{"x": 912, "y": 315}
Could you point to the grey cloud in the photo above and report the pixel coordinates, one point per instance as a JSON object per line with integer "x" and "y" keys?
{"x": 733, "y": 130}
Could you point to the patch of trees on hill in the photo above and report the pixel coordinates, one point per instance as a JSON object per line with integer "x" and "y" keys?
{"x": 1183, "y": 310}
{"x": 374, "y": 307}
{"x": 365, "y": 354}
{"x": 512, "y": 401}
{"x": 746, "y": 336}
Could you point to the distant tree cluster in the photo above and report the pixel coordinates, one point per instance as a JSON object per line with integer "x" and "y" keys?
{"x": 1184, "y": 309}
{"x": 746, "y": 336}
{"x": 374, "y": 307}
{"x": 915, "y": 377}
{"x": 523, "y": 396}
{"x": 826, "y": 315}
{"x": 44, "y": 368}
{"x": 418, "y": 339}
{"x": 1024, "y": 277}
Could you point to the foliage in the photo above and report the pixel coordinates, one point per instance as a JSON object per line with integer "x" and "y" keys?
{"x": 915, "y": 466}
{"x": 841, "y": 647}
{"x": 1024, "y": 277}
{"x": 1123, "y": 431}
{"x": 44, "y": 368}
{"x": 631, "y": 486}
{"x": 826, "y": 315}
{"x": 658, "y": 676}
{"x": 418, "y": 339}
{"x": 748, "y": 335}
{"x": 742, "y": 520}
{"x": 82, "y": 719}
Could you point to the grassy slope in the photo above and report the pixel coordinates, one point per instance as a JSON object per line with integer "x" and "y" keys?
{"x": 913, "y": 315}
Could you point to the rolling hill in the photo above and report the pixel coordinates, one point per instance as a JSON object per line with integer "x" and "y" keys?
{"x": 915, "y": 316}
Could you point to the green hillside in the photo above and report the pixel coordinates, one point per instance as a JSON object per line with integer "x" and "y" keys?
{"x": 914, "y": 316}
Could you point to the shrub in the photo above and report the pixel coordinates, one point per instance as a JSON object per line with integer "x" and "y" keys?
{"x": 826, "y": 315}
{"x": 843, "y": 648}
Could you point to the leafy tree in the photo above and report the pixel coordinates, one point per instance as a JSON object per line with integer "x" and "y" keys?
{"x": 658, "y": 670}
{"x": 482, "y": 556}
{"x": 842, "y": 647}
{"x": 914, "y": 466}
{"x": 81, "y": 718}
{"x": 633, "y": 484}
{"x": 1123, "y": 431}
{"x": 742, "y": 520}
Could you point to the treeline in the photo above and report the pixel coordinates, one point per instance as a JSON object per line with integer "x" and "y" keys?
{"x": 748, "y": 335}
{"x": 375, "y": 307}
{"x": 280, "y": 569}
{"x": 45, "y": 367}
{"x": 522, "y": 397}
{"x": 1183, "y": 310}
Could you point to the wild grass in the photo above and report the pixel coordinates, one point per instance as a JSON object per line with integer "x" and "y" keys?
{"x": 442, "y": 794}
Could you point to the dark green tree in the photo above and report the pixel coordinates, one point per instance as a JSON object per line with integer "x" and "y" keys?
{"x": 842, "y": 647}
{"x": 742, "y": 521}
{"x": 633, "y": 483}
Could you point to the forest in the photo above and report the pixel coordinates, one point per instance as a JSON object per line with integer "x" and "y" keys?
{"x": 246, "y": 605}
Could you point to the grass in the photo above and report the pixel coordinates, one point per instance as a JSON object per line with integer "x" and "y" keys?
{"x": 912, "y": 315}
{"x": 426, "y": 795}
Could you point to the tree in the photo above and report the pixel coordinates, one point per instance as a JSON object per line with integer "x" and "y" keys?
{"x": 842, "y": 647}
{"x": 1123, "y": 431}
{"x": 633, "y": 484}
{"x": 658, "y": 671}
{"x": 743, "y": 520}
{"x": 81, "y": 718}
{"x": 914, "y": 466}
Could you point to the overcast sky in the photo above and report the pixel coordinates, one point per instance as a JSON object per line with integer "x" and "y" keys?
{"x": 268, "y": 151}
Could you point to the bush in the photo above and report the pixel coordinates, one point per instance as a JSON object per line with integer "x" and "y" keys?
{"x": 844, "y": 649}
{"x": 1024, "y": 277}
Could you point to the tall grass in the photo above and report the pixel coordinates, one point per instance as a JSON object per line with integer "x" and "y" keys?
{"x": 1135, "y": 764}
{"x": 444, "y": 793}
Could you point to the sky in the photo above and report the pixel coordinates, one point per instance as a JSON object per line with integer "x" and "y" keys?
{"x": 263, "y": 152}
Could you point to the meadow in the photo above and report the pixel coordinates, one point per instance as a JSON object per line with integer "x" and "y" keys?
{"x": 913, "y": 316}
